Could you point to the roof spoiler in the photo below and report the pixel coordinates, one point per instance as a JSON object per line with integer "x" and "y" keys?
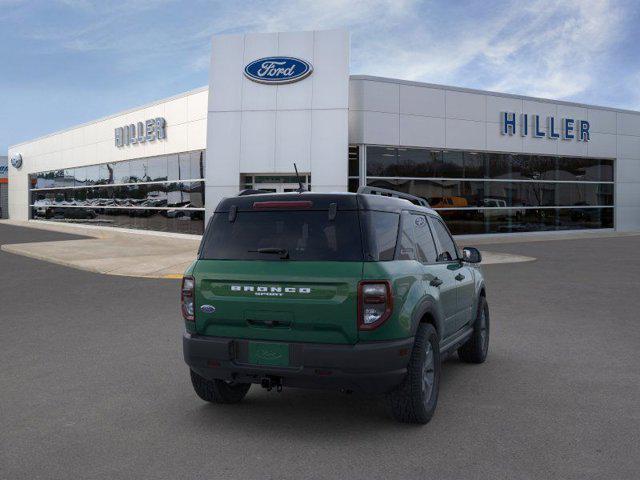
{"x": 252, "y": 191}
{"x": 392, "y": 193}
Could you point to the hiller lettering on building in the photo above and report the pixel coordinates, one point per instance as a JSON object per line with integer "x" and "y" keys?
{"x": 147, "y": 131}
{"x": 525, "y": 124}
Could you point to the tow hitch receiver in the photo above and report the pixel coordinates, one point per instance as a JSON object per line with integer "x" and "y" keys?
{"x": 270, "y": 382}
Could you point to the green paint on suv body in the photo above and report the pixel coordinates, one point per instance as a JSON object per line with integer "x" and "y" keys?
{"x": 310, "y": 301}
{"x": 326, "y": 290}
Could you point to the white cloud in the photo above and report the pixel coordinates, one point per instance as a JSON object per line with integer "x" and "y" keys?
{"x": 540, "y": 48}
{"x": 565, "y": 41}
{"x": 545, "y": 49}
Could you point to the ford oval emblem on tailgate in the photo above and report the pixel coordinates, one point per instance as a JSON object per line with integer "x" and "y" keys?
{"x": 278, "y": 70}
{"x": 207, "y": 308}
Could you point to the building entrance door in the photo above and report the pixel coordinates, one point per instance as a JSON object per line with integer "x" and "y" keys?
{"x": 275, "y": 183}
{"x": 278, "y": 187}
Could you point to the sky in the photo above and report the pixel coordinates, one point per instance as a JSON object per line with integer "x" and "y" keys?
{"x": 66, "y": 62}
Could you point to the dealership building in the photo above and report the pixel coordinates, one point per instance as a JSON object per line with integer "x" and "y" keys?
{"x": 489, "y": 162}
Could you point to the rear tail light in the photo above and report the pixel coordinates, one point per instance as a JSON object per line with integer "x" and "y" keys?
{"x": 375, "y": 303}
{"x": 187, "y": 298}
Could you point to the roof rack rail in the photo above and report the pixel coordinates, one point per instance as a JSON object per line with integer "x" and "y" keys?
{"x": 393, "y": 193}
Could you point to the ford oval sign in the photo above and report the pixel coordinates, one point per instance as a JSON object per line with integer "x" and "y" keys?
{"x": 278, "y": 70}
{"x": 208, "y": 308}
{"x": 16, "y": 160}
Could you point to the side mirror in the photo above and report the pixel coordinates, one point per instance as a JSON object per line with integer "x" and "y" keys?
{"x": 471, "y": 255}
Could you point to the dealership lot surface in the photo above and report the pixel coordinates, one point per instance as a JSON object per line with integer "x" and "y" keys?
{"x": 92, "y": 383}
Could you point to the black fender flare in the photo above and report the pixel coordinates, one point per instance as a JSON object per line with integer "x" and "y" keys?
{"x": 427, "y": 306}
{"x": 480, "y": 289}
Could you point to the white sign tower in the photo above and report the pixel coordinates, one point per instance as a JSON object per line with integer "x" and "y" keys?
{"x": 258, "y": 127}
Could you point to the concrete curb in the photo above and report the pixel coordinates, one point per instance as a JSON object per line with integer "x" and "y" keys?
{"x": 493, "y": 258}
{"x": 15, "y": 249}
{"x": 110, "y": 251}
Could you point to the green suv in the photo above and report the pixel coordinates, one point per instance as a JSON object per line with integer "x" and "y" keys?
{"x": 361, "y": 292}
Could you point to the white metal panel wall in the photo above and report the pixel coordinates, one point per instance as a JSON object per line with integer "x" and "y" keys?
{"x": 398, "y": 113}
{"x": 258, "y": 128}
{"x": 627, "y": 171}
{"x": 185, "y": 115}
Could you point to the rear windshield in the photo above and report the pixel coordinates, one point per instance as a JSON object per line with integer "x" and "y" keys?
{"x": 303, "y": 235}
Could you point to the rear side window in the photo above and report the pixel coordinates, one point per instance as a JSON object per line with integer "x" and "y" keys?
{"x": 446, "y": 246}
{"x": 304, "y": 235}
{"x": 407, "y": 248}
{"x": 382, "y": 234}
{"x": 424, "y": 241}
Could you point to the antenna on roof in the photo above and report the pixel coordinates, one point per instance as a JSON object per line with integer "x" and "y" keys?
{"x": 301, "y": 189}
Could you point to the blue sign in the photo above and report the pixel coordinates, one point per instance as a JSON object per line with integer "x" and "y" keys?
{"x": 208, "y": 308}
{"x": 278, "y": 70}
{"x": 570, "y": 129}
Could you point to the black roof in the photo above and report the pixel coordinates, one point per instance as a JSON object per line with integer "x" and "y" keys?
{"x": 321, "y": 201}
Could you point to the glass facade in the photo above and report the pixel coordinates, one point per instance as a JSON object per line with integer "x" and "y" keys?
{"x": 478, "y": 192}
{"x": 163, "y": 193}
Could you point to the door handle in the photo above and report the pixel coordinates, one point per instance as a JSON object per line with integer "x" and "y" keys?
{"x": 436, "y": 282}
{"x": 459, "y": 277}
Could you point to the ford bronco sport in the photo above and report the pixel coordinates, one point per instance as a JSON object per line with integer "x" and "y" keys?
{"x": 362, "y": 292}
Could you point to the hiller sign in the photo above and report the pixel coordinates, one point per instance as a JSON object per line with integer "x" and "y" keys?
{"x": 525, "y": 124}
{"x": 147, "y": 131}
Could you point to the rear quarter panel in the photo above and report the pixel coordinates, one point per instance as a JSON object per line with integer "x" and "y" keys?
{"x": 408, "y": 291}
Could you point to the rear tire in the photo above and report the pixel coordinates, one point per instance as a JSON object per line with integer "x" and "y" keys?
{"x": 415, "y": 399}
{"x": 477, "y": 347}
{"x": 218, "y": 391}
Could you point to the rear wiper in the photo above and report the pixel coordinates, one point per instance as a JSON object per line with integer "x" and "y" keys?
{"x": 284, "y": 254}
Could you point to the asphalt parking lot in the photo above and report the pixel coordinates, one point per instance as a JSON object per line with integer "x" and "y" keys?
{"x": 92, "y": 384}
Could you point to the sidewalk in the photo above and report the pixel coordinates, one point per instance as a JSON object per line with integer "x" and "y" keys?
{"x": 111, "y": 251}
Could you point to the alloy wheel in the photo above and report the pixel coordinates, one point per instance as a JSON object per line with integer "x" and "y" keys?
{"x": 428, "y": 373}
{"x": 484, "y": 330}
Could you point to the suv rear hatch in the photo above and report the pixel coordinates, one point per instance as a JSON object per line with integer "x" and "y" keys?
{"x": 282, "y": 268}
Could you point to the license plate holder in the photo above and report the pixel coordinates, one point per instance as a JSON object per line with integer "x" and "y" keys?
{"x": 269, "y": 354}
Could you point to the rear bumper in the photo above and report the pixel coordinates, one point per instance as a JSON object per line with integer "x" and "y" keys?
{"x": 372, "y": 367}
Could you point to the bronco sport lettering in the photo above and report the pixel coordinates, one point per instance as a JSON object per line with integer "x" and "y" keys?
{"x": 268, "y": 290}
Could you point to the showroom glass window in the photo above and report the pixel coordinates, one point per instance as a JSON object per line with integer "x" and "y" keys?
{"x": 163, "y": 193}
{"x": 484, "y": 192}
